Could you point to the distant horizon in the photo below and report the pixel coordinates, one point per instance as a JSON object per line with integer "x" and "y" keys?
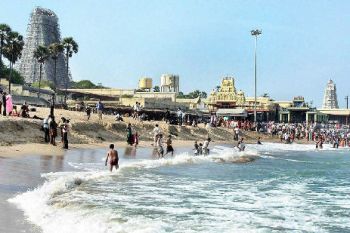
{"x": 301, "y": 48}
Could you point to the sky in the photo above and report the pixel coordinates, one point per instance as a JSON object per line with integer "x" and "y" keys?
{"x": 304, "y": 43}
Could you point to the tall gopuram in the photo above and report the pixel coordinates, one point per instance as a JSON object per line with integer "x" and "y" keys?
{"x": 43, "y": 29}
{"x": 226, "y": 96}
{"x": 330, "y": 100}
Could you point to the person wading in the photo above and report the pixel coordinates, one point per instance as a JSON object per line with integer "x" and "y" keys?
{"x": 112, "y": 157}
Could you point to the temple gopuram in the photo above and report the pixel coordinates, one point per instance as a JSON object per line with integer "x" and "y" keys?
{"x": 227, "y": 101}
{"x": 226, "y": 96}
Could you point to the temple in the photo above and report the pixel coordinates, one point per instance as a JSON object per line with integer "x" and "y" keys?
{"x": 43, "y": 29}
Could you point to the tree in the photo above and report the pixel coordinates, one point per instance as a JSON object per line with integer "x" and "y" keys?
{"x": 17, "y": 78}
{"x": 203, "y": 95}
{"x": 83, "y": 84}
{"x": 156, "y": 89}
{"x": 41, "y": 54}
{"x": 55, "y": 49}
{"x": 43, "y": 84}
{"x": 13, "y": 50}
{"x": 70, "y": 47}
{"x": 4, "y": 32}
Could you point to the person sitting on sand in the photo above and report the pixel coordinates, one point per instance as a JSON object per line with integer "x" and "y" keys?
{"x": 241, "y": 145}
{"x": 259, "y": 141}
{"x": 113, "y": 158}
{"x": 169, "y": 146}
{"x": 24, "y": 110}
{"x": 206, "y": 146}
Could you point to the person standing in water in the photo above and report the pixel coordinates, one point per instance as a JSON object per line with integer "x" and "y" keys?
{"x": 259, "y": 141}
{"x": 241, "y": 145}
{"x": 169, "y": 146}
{"x": 206, "y": 146}
{"x": 129, "y": 136}
{"x": 159, "y": 145}
{"x": 113, "y": 158}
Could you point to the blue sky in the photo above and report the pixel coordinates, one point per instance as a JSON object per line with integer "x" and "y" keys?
{"x": 304, "y": 43}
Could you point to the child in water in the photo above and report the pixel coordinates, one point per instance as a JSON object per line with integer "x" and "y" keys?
{"x": 112, "y": 157}
{"x": 196, "y": 148}
{"x": 169, "y": 146}
{"x": 159, "y": 144}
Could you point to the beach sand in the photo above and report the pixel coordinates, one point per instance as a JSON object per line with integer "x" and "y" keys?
{"x": 20, "y": 136}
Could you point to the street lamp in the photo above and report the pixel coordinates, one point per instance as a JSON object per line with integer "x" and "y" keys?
{"x": 255, "y": 33}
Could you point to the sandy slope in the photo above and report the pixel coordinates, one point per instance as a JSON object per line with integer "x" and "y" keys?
{"x": 16, "y": 131}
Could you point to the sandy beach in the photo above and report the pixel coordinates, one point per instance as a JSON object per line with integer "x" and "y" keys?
{"x": 20, "y": 136}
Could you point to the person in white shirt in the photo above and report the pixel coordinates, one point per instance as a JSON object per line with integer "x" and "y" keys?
{"x": 156, "y": 131}
{"x": 206, "y": 146}
{"x": 46, "y": 129}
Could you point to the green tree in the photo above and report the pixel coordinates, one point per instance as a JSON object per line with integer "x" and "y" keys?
{"x": 41, "y": 54}
{"x": 83, "y": 84}
{"x": 17, "y": 78}
{"x": 156, "y": 89}
{"x": 70, "y": 47}
{"x": 4, "y": 32}
{"x": 13, "y": 51}
{"x": 203, "y": 95}
{"x": 43, "y": 84}
{"x": 55, "y": 49}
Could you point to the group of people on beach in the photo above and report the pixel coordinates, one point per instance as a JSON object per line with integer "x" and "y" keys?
{"x": 50, "y": 127}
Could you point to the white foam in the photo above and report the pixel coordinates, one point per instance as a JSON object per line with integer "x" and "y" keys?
{"x": 55, "y": 206}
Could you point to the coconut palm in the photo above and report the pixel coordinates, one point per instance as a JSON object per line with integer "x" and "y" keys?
{"x": 70, "y": 47}
{"x": 55, "y": 49}
{"x": 13, "y": 50}
{"x": 41, "y": 54}
{"x": 4, "y": 31}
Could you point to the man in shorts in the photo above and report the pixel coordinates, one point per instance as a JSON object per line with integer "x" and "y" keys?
{"x": 112, "y": 157}
{"x": 169, "y": 146}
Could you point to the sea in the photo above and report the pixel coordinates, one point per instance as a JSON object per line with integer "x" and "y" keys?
{"x": 284, "y": 188}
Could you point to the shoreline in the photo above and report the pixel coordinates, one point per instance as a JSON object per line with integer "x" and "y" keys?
{"x": 40, "y": 149}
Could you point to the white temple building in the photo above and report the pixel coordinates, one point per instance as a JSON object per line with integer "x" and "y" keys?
{"x": 330, "y": 100}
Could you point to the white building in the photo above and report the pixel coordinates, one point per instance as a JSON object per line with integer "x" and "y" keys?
{"x": 169, "y": 83}
{"x": 330, "y": 100}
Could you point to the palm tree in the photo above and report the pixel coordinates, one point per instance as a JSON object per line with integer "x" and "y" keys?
{"x": 70, "y": 47}
{"x": 55, "y": 49}
{"x": 41, "y": 54}
{"x": 4, "y": 31}
{"x": 13, "y": 50}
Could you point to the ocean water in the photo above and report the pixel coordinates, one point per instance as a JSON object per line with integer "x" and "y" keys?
{"x": 287, "y": 188}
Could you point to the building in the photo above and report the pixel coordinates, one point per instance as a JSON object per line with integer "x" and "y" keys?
{"x": 145, "y": 84}
{"x": 330, "y": 100}
{"x": 43, "y": 29}
{"x": 170, "y": 83}
{"x": 226, "y": 97}
{"x": 298, "y": 111}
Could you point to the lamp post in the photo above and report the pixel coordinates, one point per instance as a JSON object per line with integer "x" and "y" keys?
{"x": 255, "y": 33}
{"x": 347, "y": 101}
